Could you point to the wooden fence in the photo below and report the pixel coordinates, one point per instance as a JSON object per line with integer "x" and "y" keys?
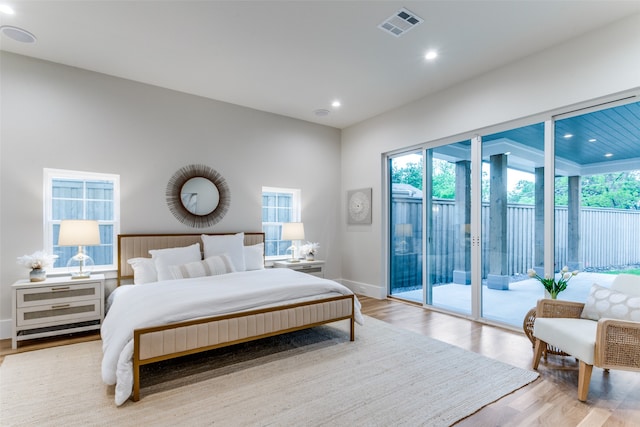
{"x": 609, "y": 238}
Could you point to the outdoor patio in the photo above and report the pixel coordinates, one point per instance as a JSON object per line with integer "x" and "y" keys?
{"x": 509, "y": 306}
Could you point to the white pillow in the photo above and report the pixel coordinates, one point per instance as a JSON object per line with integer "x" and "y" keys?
{"x": 605, "y": 303}
{"x": 163, "y": 258}
{"x": 254, "y": 257}
{"x": 230, "y": 244}
{"x": 144, "y": 270}
{"x": 211, "y": 266}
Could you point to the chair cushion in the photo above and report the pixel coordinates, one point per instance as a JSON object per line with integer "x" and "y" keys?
{"x": 576, "y": 337}
{"x": 627, "y": 283}
{"x": 607, "y": 303}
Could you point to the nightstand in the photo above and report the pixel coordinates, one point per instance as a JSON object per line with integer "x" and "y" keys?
{"x": 315, "y": 268}
{"x": 56, "y": 306}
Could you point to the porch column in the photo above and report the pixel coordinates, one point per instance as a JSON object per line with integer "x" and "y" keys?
{"x": 574, "y": 257}
{"x": 462, "y": 236}
{"x": 497, "y": 277}
{"x": 538, "y": 250}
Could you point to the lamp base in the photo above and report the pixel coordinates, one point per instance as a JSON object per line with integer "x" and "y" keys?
{"x": 80, "y": 266}
{"x": 293, "y": 260}
{"x": 80, "y": 274}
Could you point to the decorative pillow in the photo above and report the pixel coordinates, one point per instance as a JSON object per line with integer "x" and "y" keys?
{"x": 144, "y": 270}
{"x": 163, "y": 258}
{"x": 254, "y": 257}
{"x": 605, "y": 303}
{"x": 231, "y": 244}
{"x": 211, "y": 266}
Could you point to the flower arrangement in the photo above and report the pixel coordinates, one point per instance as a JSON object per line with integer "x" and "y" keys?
{"x": 37, "y": 260}
{"x": 550, "y": 284}
{"x": 309, "y": 250}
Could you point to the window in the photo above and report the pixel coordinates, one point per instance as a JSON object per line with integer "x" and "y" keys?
{"x": 82, "y": 195}
{"x": 279, "y": 205}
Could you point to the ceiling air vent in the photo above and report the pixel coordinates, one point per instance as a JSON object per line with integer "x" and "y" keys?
{"x": 400, "y": 22}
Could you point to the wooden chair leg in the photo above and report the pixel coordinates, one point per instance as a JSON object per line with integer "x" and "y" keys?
{"x": 539, "y": 347}
{"x": 584, "y": 378}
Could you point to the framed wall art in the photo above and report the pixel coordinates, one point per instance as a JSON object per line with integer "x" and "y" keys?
{"x": 359, "y": 206}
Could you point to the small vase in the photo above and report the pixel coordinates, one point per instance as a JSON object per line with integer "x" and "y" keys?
{"x": 37, "y": 275}
{"x": 552, "y": 295}
{"x": 310, "y": 257}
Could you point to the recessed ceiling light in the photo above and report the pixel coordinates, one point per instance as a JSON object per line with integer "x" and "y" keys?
{"x": 592, "y": 140}
{"x": 608, "y": 155}
{"x": 336, "y": 103}
{"x": 568, "y": 135}
{"x": 7, "y": 10}
{"x": 18, "y": 34}
{"x": 432, "y": 54}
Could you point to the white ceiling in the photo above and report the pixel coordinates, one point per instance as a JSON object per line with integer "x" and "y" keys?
{"x": 294, "y": 57}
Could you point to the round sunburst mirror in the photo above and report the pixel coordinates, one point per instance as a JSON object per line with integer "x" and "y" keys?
{"x": 198, "y": 196}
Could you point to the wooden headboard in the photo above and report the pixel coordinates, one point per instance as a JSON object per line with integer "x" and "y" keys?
{"x": 138, "y": 245}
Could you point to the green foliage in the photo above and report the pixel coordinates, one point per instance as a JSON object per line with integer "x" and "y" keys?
{"x": 444, "y": 179}
{"x": 410, "y": 174}
{"x": 523, "y": 192}
{"x": 635, "y": 271}
{"x": 613, "y": 190}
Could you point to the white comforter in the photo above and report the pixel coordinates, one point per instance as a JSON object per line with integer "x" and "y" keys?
{"x": 138, "y": 306}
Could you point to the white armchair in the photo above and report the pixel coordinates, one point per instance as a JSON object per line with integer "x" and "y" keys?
{"x": 604, "y": 333}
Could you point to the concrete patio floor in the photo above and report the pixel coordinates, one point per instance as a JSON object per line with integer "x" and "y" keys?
{"x": 508, "y": 306}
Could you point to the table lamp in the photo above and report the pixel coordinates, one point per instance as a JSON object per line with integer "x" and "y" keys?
{"x": 293, "y": 231}
{"x": 79, "y": 233}
{"x": 404, "y": 232}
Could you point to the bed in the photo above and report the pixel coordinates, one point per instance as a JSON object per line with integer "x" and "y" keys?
{"x": 186, "y": 309}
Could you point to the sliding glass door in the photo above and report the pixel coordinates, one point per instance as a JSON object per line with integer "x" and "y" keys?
{"x": 512, "y": 222}
{"x": 439, "y": 204}
{"x": 468, "y": 220}
{"x": 405, "y": 226}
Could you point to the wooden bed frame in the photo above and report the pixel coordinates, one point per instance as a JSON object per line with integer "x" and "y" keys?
{"x": 154, "y": 344}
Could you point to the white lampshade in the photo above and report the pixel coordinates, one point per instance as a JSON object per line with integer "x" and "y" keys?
{"x": 404, "y": 230}
{"x": 79, "y": 232}
{"x": 292, "y": 231}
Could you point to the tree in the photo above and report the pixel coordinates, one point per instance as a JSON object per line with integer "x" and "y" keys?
{"x": 619, "y": 190}
{"x": 410, "y": 174}
{"x": 523, "y": 192}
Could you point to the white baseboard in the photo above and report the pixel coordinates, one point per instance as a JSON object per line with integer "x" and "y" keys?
{"x": 364, "y": 289}
{"x": 5, "y": 329}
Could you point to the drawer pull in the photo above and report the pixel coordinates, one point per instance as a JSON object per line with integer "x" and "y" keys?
{"x": 63, "y": 288}
{"x": 55, "y": 307}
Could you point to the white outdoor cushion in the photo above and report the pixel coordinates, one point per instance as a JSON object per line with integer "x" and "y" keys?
{"x": 605, "y": 303}
{"x": 627, "y": 283}
{"x": 576, "y": 337}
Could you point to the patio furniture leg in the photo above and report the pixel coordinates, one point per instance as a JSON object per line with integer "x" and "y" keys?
{"x": 584, "y": 378}
{"x": 537, "y": 353}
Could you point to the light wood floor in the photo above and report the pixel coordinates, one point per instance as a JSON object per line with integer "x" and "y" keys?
{"x": 614, "y": 398}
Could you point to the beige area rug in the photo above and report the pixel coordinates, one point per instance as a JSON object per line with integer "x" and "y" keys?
{"x": 387, "y": 377}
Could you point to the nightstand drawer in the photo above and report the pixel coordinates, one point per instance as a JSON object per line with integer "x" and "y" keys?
{"x": 36, "y": 296}
{"x": 58, "y": 312}
{"x": 315, "y": 268}
{"x": 309, "y": 269}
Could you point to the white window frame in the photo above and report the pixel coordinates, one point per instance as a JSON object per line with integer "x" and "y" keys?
{"x": 296, "y": 211}
{"x": 51, "y": 174}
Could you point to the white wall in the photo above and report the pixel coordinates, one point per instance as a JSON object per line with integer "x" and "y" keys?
{"x": 55, "y": 116}
{"x": 595, "y": 65}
